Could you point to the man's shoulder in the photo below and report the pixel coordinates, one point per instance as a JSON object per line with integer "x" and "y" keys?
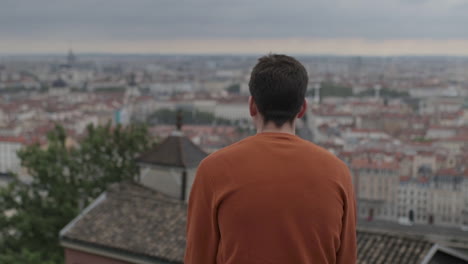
{"x": 324, "y": 154}
{"x": 221, "y": 154}
{"x": 241, "y": 147}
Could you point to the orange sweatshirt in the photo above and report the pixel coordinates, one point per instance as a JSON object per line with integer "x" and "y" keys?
{"x": 272, "y": 198}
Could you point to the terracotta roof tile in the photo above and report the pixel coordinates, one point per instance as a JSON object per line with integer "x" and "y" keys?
{"x": 364, "y": 163}
{"x": 447, "y": 172}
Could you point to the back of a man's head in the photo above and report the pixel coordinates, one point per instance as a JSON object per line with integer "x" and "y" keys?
{"x": 278, "y": 84}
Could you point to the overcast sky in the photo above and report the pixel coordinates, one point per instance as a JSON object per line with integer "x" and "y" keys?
{"x": 374, "y": 27}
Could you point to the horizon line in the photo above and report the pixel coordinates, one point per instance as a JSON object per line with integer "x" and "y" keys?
{"x": 247, "y": 47}
{"x": 233, "y": 54}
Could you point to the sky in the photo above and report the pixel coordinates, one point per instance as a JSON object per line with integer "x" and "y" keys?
{"x": 338, "y": 27}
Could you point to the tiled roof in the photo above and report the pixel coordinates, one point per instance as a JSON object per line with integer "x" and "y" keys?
{"x": 24, "y": 140}
{"x": 458, "y": 138}
{"x": 13, "y": 139}
{"x": 133, "y": 220}
{"x": 447, "y": 172}
{"x": 174, "y": 151}
{"x": 137, "y": 221}
{"x": 364, "y": 163}
{"x": 382, "y": 248}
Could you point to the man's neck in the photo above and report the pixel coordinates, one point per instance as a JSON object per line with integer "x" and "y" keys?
{"x": 272, "y": 128}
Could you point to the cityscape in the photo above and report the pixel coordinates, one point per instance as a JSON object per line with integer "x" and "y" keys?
{"x": 399, "y": 123}
{"x": 121, "y": 121}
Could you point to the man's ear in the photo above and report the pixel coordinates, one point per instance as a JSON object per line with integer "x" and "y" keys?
{"x": 252, "y": 107}
{"x": 303, "y": 109}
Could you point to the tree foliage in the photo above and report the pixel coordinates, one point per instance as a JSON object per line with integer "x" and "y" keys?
{"x": 168, "y": 117}
{"x": 328, "y": 89}
{"x": 384, "y": 93}
{"x": 64, "y": 180}
{"x": 233, "y": 88}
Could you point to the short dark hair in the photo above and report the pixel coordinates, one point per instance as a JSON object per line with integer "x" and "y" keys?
{"x": 278, "y": 84}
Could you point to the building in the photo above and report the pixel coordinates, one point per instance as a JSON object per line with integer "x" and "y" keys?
{"x": 447, "y": 197}
{"x": 9, "y": 160}
{"x": 232, "y": 110}
{"x": 464, "y": 214}
{"x": 170, "y": 166}
{"x": 414, "y": 200}
{"x": 376, "y": 185}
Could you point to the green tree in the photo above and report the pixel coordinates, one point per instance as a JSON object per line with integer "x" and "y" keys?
{"x": 384, "y": 93}
{"x": 64, "y": 180}
{"x": 233, "y": 88}
{"x": 23, "y": 257}
{"x": 329, "y": 89}
{"x": 168, "y": 117}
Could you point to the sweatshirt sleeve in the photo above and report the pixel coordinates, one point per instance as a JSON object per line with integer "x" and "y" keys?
{"x": 347, "y": 252}
{"x": 202, "y": 227}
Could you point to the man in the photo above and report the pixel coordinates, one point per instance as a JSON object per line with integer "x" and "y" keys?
{"x": 273, "y": 197}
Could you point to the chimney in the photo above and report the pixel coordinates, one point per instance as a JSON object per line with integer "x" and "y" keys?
{"x": 183, "y": 187}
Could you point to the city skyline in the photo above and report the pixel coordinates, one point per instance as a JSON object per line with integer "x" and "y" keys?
{"x": 332, "y": 47}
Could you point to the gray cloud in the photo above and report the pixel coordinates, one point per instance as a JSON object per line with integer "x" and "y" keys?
{"x": 176, "y": 19}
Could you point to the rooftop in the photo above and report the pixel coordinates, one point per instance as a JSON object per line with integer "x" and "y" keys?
{"x": 174, "y": 151}
{"x": 132, "y": 220}
{"x": 367, "y": 164}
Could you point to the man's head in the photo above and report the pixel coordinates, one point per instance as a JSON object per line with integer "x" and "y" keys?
{"x": 278, "y": 84}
